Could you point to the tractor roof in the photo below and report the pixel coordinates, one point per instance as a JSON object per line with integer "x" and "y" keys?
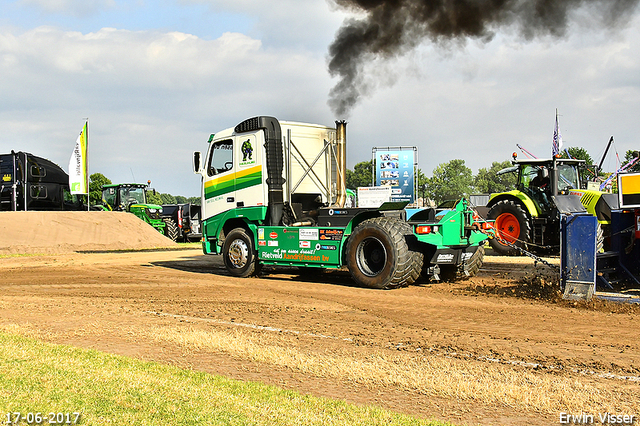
{"x": 126, "y": 185}
{"x": 545, "y": 161}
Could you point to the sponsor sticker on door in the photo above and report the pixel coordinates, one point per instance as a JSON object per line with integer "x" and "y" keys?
{"x": 331, "y": 234}
{"x": 308, "y": 234}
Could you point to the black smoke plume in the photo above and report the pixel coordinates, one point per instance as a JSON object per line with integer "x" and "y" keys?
{"x": 390, "y": 28}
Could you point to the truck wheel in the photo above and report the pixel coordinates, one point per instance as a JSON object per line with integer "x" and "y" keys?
{"x": 451, "y": 273}
{"x": 378, "y": 254}
{"x": 473, "y": 264}
{"x": 512, "y": 225}
{"x": 171, "y": 229}
{"x": 239, "y": 254}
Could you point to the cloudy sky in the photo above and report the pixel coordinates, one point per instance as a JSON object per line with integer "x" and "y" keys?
{"x": 155, "y": 78}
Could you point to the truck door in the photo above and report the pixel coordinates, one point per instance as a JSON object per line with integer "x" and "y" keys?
{"x": 219, "y": 189}
{"x": 249, "y": 191}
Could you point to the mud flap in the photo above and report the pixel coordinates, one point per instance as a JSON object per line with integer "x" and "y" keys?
{"x": 451, "y": 256}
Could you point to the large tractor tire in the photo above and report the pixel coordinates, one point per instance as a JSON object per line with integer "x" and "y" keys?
{"x": 170, "y": 229}
{"x": 239, "y": 254}
{"x": 467, "y": 269}
{"x": 378, "y": 254}
{"x": 512, "y": 225}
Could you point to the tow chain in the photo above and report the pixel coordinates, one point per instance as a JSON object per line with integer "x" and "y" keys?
{"x": 531, "y": 255}
{"x": 536, "y": 258}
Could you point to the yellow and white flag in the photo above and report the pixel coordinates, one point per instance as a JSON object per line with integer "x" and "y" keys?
{"x": 78, "y": 164}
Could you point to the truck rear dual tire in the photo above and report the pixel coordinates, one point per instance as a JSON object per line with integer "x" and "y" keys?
{"x": 512, "y": 225}
{"x": 378, "y": 254}
{"x": 238, "y": 252}
{"x": 451, "y": 273}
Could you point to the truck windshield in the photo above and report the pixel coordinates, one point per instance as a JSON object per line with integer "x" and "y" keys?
{"x": 568, "y": 177}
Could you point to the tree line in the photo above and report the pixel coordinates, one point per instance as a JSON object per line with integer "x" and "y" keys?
{"x": 453, "y": 180}
{"x": 97, "y": 180}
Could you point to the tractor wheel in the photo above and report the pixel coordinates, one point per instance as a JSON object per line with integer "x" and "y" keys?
{"x": 170, "y": 229}
{"x": 378, "y": 254}
{"x": 238, "y": 252}
{"x": 512, "y": 225}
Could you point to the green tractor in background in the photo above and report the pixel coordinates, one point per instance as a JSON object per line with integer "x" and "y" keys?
{"x": 528, "y": 217}
{"x": 132, "y": 197}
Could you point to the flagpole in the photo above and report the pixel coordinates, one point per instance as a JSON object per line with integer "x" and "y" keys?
{"x": 86, "y": 172}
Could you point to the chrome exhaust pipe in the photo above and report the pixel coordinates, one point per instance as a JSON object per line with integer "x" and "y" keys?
{"x": 341, "y": 163}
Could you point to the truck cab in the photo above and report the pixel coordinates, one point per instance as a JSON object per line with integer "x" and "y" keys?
{"x": 274, "y": 193}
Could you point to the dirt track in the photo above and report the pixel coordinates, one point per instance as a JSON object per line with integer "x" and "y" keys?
{"x": 100, "y": 300}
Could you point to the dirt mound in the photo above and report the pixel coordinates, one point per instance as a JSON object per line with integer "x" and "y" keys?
{"x": 61, "y": 232}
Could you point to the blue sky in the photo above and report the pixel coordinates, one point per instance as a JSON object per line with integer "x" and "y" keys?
{"x": 156, "y": 78}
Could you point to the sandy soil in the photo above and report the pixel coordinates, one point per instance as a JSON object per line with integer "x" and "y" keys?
{"x": 501, "y": 320}
{"x": 59, "y": 232}
{"x": 98, "y": 300}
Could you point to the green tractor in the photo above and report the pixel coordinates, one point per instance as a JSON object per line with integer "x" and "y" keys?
{"x": 528, "y": 217}
{"x": 132, "y": 197}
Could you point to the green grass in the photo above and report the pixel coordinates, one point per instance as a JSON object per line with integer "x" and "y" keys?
{"x": 109, "y": 389}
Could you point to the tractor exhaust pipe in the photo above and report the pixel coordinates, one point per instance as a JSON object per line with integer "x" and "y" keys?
{"x": 341, "y": 163}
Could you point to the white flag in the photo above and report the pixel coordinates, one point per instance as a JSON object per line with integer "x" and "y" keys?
{"x": 78, "y": 165}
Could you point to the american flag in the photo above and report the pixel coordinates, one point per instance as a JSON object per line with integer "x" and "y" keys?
{"x": 557, "y": 139}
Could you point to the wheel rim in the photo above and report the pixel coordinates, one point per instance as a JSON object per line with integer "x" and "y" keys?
{"x": 238, "y": 253}
{"x": 508, "y": 227}
{"x": 371, "y": 256}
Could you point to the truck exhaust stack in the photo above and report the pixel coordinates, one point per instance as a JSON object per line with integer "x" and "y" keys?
{"x": 341, "y": 163}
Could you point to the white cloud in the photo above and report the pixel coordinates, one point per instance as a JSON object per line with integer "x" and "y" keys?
{"x": 310, "y": 24}
{"x": 152, "y": 98}
{"x": 77, "y": 8}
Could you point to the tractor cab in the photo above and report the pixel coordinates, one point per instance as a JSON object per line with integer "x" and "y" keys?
{"x": 132, "y": 197}
{"x": 542, "y": 179}
{"x": 122, "y": 197}
{"x": 528, "y": 217}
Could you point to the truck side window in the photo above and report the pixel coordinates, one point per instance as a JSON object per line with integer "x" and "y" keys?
{"x": 221, "y": 159}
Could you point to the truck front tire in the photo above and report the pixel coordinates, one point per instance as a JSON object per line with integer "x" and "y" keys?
{"x": 378, "y": 255}
{"x": 512, "y": 225}
{"x": 239, "y": 253}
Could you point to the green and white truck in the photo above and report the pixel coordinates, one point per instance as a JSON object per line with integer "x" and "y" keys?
{"x": 273, "y": 193}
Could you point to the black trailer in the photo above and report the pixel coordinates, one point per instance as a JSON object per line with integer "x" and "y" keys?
{"x": 30, "y": 182}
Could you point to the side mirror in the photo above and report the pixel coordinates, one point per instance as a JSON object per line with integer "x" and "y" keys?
{"x": 196, "y": 162}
